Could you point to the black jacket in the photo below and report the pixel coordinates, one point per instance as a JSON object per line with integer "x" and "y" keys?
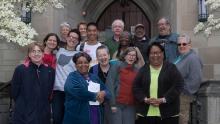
{"x": 142, "y": 46}
{"x": 31, "y": 89}
{"x": 170, "y": 84}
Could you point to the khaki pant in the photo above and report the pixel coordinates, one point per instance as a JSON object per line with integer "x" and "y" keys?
{"x": 184, "y": 108}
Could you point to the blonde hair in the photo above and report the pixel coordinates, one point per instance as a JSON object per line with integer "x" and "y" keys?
{"x": 35, "y": 43}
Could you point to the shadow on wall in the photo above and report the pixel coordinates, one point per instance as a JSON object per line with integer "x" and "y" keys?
{"x": 5, "y": 103}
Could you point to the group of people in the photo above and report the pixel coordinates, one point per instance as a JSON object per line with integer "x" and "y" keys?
{"x": 123, "y": 80}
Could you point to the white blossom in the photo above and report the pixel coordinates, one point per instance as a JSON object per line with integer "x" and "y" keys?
{"x": 213, "y": 22}
{"x": 12, "y": 29}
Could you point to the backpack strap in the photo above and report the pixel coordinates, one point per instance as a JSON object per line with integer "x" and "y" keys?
{"x": 81, "y": 47}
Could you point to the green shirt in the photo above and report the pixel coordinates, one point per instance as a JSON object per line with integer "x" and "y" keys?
{"x": 154, "y": 111}
{"x": 112, "y": 46}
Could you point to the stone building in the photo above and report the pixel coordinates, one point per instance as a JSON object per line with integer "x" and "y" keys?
{"x": 182, "y": 14}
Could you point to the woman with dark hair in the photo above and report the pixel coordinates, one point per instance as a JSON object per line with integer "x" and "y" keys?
{"x": 32, "y": 84}
{"x": 50, "y": 42}
{"x": 157, "y": 87}
{"x": 64, "y": 66}
{"x": 120, "y": 81}
{"x": 124, "y": 43}
{"x": 84, "y": 94}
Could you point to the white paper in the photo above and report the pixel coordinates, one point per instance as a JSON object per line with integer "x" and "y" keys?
{"x": 93, "y": 87}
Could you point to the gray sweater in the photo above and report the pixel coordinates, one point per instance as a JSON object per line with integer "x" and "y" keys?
{"x": 190, "y": 67}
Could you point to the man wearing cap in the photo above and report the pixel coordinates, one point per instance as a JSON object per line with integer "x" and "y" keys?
{"x": 141, "y": 40}
{"x": 167, "y": 39}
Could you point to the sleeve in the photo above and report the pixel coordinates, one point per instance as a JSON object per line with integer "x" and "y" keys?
{"x": 114, "y": 56}
{"x": 75, "y": 87}
{"x": 177, "y": 84}
{"x": 140, "y": 61}
{"x": 138, "y": 88}
{"x": 111, "y": 82}
{"x": 194, "y": 78}
{"x": 16, "y": 83}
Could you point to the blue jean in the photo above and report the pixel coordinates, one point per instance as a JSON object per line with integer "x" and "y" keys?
{"x": 58, "y": 106}
{"x": 125, "y": 114}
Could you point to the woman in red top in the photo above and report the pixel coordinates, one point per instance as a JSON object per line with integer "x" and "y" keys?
{"x": 50, "y": 43}
{"x": 120, "y": 81}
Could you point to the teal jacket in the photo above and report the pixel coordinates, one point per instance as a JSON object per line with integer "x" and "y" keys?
{"x": 77, "y": 98}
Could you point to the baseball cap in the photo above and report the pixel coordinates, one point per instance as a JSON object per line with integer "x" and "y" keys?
{"x": 139, "y": 25}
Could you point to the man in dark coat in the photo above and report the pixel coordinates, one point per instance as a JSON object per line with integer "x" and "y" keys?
{"x": 141, "y": 40}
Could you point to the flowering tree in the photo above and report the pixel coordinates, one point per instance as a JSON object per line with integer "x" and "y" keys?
{"x": 213, "y": 21}
{"x": 12, "y": 29}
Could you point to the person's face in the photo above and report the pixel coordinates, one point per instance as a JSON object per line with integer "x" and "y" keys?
{"x": 117, "y": 28}
{"x": 103, "y": 57}
{"x": 92, "y": 33}
{"x": 64, "y": 31}
{"x": 163, "y": 27}
{"x": 156, "y": 56}
{"x": 131, "y": 57}
{"x": 51, "y": 42}
{"x": 183, "y": 45}
{"x": 82, "y": 30}
{"x": 36, "y": 55}
{"x": 124, "y": 41}
{"x": 82, "y": 65}
{"x": 72, "y": 39}
{"x": 139, "y": 32}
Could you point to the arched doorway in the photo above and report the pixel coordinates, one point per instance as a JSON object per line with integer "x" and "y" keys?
{"x": 128, "y": 11}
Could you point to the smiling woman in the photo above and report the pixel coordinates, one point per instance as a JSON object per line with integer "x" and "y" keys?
{"x": 64, "y": 66}
{"x": 84, "y": 94}
{"x": 120, "y": 81}
{"x": 157, "y": 88}
{"x": 29, "y": 96}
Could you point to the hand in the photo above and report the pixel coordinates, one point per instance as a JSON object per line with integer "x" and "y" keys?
{"x": 157, "y": 102}
{"x": 149, "y": 100}
{"x": 114, "y": 109}
{"x": 100, "y": 96}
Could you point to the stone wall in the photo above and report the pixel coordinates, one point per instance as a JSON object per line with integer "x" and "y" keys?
{"x": 182, "y": 14}
{"x": 10, "y": 56}
{"x": 207, "y": 48}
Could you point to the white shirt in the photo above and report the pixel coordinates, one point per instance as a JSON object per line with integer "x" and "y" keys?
{"x": 91, "y": 50}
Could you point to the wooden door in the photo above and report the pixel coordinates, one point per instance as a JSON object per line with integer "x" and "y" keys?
{"x": 129, "y": 12}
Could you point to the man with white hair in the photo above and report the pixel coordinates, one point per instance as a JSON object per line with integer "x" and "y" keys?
{"x": 113, "y": 43}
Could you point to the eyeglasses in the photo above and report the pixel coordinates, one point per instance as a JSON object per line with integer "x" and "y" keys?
{"x": 36, "y": 52}
{"x": 182, "y": 44}
{"x": 131, "y": 55}
{"x": 72, "y": 37}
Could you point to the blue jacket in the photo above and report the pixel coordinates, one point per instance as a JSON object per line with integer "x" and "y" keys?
{"x": 170, "y": 45}
{"x": 31, "y": 89}
{"x": 78, "y": 97}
